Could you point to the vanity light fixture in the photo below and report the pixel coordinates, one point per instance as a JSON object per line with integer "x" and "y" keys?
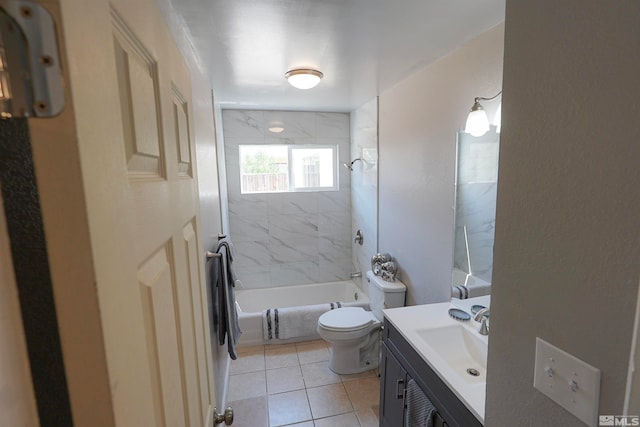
{"x": 303, "y": 78}
{"x": 477, "y": 121}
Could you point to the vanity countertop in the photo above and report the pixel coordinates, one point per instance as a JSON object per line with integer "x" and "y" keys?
{"x": 427, "y": 328}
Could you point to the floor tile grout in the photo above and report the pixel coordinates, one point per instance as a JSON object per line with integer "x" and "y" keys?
{"x": 297, "y": 347}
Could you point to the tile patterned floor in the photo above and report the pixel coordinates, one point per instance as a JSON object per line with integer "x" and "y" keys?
{"x": 291, "y": 385}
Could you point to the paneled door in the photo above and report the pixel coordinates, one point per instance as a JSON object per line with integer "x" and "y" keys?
{"x": 130, "y": 98}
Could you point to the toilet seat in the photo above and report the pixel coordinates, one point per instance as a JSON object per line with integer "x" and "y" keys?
{"x": 346, "y": 319}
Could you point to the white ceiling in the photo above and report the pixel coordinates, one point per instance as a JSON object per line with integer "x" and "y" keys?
{"x": 362, "y": 46}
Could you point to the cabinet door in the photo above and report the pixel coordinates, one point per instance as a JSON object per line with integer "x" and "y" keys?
{"x": 438, "y": 421}
{"x": 393, "y": 382}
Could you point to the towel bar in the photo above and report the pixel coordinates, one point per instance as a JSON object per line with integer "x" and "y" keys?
{"x": 210, "y": 255}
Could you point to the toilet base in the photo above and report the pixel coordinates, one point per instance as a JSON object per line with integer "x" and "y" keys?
{"x": 347, "y": 360}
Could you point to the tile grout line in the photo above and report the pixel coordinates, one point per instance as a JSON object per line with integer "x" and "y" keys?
{"x": 299, "y": 365}
{"x": 309, "y": 403}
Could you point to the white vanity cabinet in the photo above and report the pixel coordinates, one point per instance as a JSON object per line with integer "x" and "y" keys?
{"x": 400, "y": 363}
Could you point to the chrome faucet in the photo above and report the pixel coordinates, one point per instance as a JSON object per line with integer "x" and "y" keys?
{"x": 480, "y": 317}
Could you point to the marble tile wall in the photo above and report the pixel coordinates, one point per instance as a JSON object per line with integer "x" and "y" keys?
{"x": 288, "y": 238}
{"x": 364, "y": 185}
{"x": 476, "y": 203}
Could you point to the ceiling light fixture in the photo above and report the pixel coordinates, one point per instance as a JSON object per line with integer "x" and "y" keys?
{"x": 303, "y": 78}
{"x": 276, "y": 126}
{"x": 276, "y": 129}
{"x": 477, "y": 120}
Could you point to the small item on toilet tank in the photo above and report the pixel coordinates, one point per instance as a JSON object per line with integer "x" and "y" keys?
{"x": 376, "y": 269}
{"x": 388, "y": 271}
{"x": 377, "y": 260}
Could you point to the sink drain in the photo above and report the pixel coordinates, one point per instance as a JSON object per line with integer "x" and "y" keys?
{"x": 473, "y": 372}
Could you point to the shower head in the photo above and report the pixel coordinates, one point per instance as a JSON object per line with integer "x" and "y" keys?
{"x": 350, "y": 165}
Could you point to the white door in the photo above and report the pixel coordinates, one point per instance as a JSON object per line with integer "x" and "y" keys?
{"x": 130, "y": 96}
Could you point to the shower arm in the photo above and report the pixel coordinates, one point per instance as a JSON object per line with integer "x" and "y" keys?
{"x": 350, "y": 165}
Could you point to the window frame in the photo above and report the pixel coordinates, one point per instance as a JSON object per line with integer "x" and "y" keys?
{"x": 335, "y": 156}
{"x": 291, "y": 181}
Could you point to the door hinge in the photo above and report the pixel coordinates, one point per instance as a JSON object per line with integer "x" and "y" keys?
{"x": 226, "y": 417}
{"x": 31, "y": 82}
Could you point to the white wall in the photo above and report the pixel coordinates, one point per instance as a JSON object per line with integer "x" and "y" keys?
{"x": 364, "y": 186}
{"x": 222, "y": 170}
{"x": 418, "y": 121}
{"x": 567, "y": 227}
{"x": 210, "y": 212}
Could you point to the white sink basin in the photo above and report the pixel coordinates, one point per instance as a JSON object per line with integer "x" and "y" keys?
{"x": 461, "y": 349}
{"x": 448, "y": 346}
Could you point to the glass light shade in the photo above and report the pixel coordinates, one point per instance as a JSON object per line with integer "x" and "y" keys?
{"x": 477, "y": 122}
{"x": 304, "y": 78}
{"x": 497, "y": 120}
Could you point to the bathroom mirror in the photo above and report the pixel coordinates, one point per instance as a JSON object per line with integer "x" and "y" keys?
{"x": 475, "y": 212}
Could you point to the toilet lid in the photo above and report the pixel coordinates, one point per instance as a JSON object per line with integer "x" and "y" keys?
{"x": 346, "y": 318}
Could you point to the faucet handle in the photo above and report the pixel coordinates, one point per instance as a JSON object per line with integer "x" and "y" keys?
{"x": 481, "y": 314}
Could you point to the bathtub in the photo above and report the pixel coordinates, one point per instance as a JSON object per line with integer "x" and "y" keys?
{"x": 252, "y": 302}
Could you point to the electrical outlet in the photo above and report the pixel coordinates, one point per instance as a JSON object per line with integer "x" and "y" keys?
{"x": 568, "y": 381}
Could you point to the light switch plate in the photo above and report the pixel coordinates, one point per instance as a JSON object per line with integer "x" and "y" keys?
{"x": 568, "y": 381}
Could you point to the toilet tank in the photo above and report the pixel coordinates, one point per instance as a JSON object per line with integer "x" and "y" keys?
{"x": 383, "y": 294}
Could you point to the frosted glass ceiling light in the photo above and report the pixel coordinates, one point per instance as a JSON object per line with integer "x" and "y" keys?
{"x": 497, "y": 120}
{"x": 276, "y": 126}
{"x": 477, "y": 120}
{"x": 303, "y": 78}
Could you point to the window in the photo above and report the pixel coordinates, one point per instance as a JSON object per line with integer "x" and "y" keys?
{"x": 284, "y": 168}
{"x": 264, "y": 168}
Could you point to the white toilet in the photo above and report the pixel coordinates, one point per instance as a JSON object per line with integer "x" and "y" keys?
{"x": 354, "y": 333}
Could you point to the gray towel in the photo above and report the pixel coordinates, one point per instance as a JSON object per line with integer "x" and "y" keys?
{"x": 225, "y": 316}
{"x": 214, "y": 284}
{"x": 420, "y": 410}
{"x": 230, "y": 254}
